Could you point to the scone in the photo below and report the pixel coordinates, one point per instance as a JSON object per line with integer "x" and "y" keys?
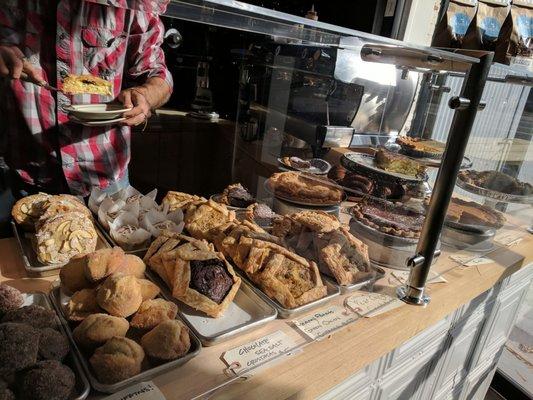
{"x": 201, "y": 278}
{"x": 82, "y": 304}
{"x": 167, "y": 341}
{"x": 63, "y": 237}
{"x": 132, "y": 265}
{"x": 104, "y": 262}
{"x": 152, "y": 312}
{"x": 180, "y": 200}
{"x": 97, "y": 329}
{"x": 118, "y": 359}
{"x": 73, "y": 276}
{"x": 120, "y": 295}
{"x": 149, "y": 290}
{"x": 27, "y": 210}
{"x": 202, "y": 218}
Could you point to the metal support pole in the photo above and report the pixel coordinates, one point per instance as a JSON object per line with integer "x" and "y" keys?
{"x": 466, "y": 106}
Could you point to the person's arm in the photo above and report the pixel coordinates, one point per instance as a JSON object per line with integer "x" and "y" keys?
{"x": 145, "y": 62}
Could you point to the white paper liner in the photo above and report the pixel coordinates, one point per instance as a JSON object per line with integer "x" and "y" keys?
{"x": 155, "y": 221}
{"x": 95, "y": 199}
{"x": 127, "y": 233}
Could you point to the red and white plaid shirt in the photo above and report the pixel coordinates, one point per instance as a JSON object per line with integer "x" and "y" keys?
{"x": 105, "y": 38}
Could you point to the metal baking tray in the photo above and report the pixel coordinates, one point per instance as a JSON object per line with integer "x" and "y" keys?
{"x": 81, "y": 387}
{"x": 332, "y": 291}
{"x": 138, "y": 252}
{"x": 55, "y": 296}
{"x": 379, "y": 273}
{"x": 246, "y": 312}
{"x": 31, "y": 264}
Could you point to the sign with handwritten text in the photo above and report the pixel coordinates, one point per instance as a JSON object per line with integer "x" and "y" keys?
{"x": 139, "y": 391}
{"x": 258, "y": 352}
{"x": 324, "y": 322}
{"x": 369, "y": 304}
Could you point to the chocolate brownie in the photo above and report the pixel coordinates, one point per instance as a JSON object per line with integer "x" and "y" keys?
{"x": 210, "y": 278}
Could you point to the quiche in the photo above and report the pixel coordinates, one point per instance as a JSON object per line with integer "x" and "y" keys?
{"x": 87, "y": 84}
{"x": 394, "y": 162}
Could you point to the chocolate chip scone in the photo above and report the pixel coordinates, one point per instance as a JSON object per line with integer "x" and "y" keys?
{"x": 27, "y": 210}
{"x": 65, "y": 236}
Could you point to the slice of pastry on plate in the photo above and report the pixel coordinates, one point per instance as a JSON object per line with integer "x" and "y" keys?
{"x": 89, "y": 84}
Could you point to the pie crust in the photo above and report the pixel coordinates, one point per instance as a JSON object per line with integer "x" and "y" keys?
{"x": 497, "y": 181}
{"x": 305, "y": 188}
{"x": 390, "y": 218}
{"x": 202, "y": 217}
{"x": 420, "y": 147}
{"x": 472, "y": 213}
{"x": 180, "y": 200}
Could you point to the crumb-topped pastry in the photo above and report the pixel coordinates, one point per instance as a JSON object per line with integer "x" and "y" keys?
{"x": 64, "y": 236}
{"x": 391, "y": 218}
{"x": 28, "y": 210}
{"x": 180, "y": 200}
{"x": 281, "y": 274}
{"x": 497, "y": 181}
{"x": 201, "y": 218}
{"x": 236, "y": 195}
{"x": 305, "y": 188}
{"x": 319, "y": 236}
{"x": 418, "y": 147}
{"x": 80, "y": 84}
{"x": 394, "y": 162}
{"x": 472, "y": 213}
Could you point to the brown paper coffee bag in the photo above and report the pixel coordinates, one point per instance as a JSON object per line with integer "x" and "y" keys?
{"x": 453, "y": 25}
{"x": 486, "y": 27}
{"x": 518, "y": 35}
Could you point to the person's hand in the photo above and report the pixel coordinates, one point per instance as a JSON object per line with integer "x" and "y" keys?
{"x": 140, "y": 112}
{"x": 13, "y": 63}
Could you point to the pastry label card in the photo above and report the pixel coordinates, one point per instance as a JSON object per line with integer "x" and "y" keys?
{"x": 369, "y": 304}
{"x": 508, "y": 238}
{"x": 139, "y": 391}
{"x": 324, "y": 322}
{"x": 255, "y": 354}
{"x": 469, "y": 261}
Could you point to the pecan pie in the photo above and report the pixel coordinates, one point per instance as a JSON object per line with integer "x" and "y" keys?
{"x": 497, "y": 181}
{"x": 319, "y": 236}
{"x": 281, "y": 274}
{"x": 472, "y": 213}
{"x": 391, "y": 218}
{"x": 305, "y": 188}
{"x": 394, "y": 162}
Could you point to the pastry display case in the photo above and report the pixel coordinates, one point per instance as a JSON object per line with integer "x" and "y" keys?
{"x": 299, "y": 170}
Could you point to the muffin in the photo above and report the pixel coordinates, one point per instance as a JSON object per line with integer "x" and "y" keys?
{"x": 118, "y": 359}
{"x": 18, "y": 347}
{"x": 82, "y": 304}
{"x": 33, "y": 315}
{"x": 10, "y": 298}
{"x": 167, "y": 341}
{"x": 120, "y": 295}
{"x": 52, "y": 345}
{"x": 97, "y": 329}
{"x": 152, "y": 312}
{"x": 47, "y": 380}
{"x": 149, "y": 290}
{"x": 73, "y": 276}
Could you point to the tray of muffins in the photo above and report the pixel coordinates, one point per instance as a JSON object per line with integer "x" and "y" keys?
{"x": 120, "y": 327}
{"x": 36, "y": 361}
{"x": 52, "y": 230}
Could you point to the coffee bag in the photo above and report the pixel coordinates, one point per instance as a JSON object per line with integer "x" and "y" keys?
{"x": 452, "y": 27}
{"x": 518, "y": 35}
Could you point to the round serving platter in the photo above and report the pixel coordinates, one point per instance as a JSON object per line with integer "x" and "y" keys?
{"x": 271, "y": 191}
{"x": 492, "y": 194}
{"x": 318, "y": 166}
{"x": 362, "y": 162}
{"x": 436, "y": 162}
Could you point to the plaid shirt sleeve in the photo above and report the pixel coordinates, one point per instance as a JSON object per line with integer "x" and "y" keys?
{"x": 145, "y": 58}
{"x": 9, "y": 18}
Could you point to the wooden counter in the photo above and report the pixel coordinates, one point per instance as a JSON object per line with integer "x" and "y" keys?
{"x": 321, "y": 365}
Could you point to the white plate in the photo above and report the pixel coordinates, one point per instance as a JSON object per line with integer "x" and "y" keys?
{"x": 96, "y": 123}
{"x": 97, "y": 112}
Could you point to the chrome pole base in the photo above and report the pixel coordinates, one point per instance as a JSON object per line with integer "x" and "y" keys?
{"x": 418, "y": 300}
